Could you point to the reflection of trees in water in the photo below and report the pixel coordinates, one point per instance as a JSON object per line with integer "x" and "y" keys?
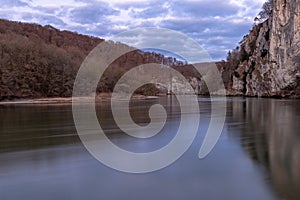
{"x": 270, "y": 135}
{"x": 27, "y": 127}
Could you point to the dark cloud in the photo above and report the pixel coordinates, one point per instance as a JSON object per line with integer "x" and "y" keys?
{"x": 92, "y": 13}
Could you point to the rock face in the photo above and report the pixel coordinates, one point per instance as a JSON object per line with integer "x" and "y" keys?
{"x": 285, "y": 44}
{"x": 270, "y": 64}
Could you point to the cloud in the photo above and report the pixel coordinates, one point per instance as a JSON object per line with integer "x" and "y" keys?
{"x": 92, "y": 13}
{"x": 56, "y": 3}
{"x": 12, "y": 3}
{"x": 164, "y": 40}
{"x": 203, "y": 8}
{"x": 217, "y": 25}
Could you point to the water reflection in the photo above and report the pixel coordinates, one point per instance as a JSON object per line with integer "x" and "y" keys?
{"x": 257, "y": 156}
{"x": 25, "y": 127}
{"x": 271, "y": 137}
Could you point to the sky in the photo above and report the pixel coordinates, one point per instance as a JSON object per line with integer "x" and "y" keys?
{"x": 217, "y": 25}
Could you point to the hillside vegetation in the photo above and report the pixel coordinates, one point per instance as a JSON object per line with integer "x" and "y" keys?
{"x": 42, "y": 61}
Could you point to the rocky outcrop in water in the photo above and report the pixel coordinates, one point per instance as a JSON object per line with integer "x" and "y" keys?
{"x": 269, "y": 61}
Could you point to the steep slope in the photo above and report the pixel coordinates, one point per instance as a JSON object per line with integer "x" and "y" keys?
{"x": 269, "y": 63}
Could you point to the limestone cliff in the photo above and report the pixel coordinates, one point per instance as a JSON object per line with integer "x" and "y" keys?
{"x": 270, "y": 55}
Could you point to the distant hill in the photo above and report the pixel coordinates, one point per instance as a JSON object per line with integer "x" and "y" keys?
{"x": 42, "y": 61}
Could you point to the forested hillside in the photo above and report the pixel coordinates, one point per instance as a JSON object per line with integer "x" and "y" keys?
{"x": 42, "y": 61}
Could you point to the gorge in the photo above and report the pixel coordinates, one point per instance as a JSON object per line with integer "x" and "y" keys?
{"x": 42, "y": 61}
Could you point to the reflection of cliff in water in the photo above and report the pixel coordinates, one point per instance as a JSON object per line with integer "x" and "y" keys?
{"x": 268, "y": 130}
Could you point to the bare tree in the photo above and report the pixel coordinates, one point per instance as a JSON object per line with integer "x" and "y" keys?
{"x": 266, "y": 12}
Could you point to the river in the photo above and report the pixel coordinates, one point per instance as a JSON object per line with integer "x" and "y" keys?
{"x": 256, "y": 157}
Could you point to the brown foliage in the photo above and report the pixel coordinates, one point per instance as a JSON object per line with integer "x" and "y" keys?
{"x": 39, "y": 61}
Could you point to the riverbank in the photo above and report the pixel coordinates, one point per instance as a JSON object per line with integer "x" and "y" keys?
{"x": 107, "y": 97}
{"x": 68, "y": 100}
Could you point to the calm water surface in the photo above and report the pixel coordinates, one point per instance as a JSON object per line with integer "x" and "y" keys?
{"x": 257, "y": 156}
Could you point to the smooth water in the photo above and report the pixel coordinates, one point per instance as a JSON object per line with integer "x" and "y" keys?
{"x": 257, "y": 156}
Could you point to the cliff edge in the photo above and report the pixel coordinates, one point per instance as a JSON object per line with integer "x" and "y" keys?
{"x": 269, "y": 57}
